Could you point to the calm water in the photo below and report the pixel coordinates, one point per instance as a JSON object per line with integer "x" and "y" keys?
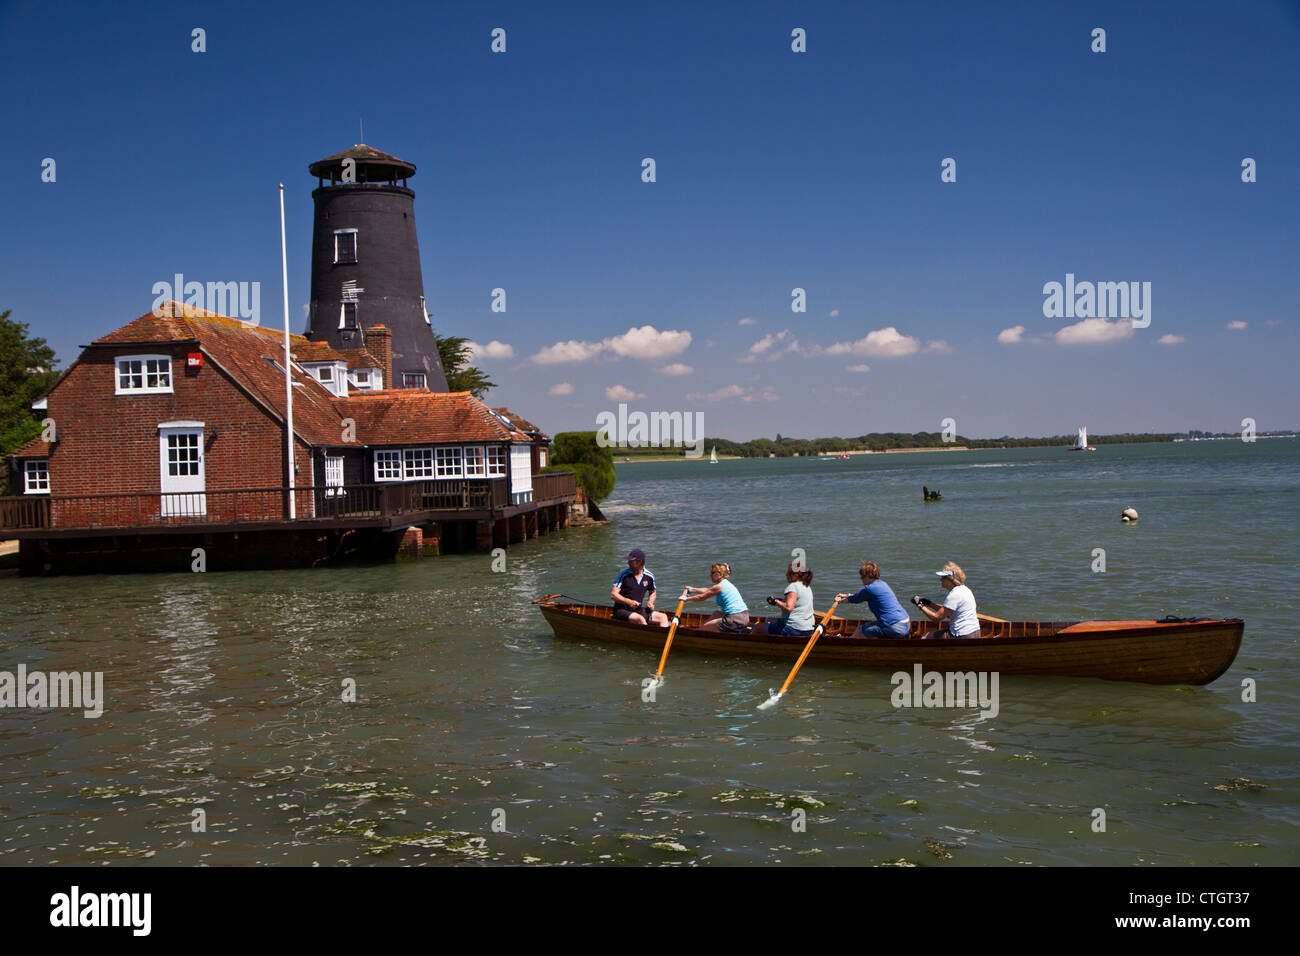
{"x": 223, "y": 690}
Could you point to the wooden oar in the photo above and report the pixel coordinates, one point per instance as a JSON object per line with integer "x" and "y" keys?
{"x": 817, "y": 632}
{"x": 672, "y": 629}
{"x": 992, "y": 620}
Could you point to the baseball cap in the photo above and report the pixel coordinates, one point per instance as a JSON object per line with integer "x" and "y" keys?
{"x": 636, "y": 553}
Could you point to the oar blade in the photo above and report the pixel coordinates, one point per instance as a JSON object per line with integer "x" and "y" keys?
{"x": 771, "y": 701}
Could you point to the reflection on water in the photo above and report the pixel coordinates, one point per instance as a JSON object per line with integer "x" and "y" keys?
{"x": 225, "y": 691}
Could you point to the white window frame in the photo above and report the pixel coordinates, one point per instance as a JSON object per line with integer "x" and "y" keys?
{"x": 343, "y": 316}
{"x": 450, "y": 462}
{"x": 333, "y": 475}
{"x": 144, "y": 374}
{"x": 496, "y": 461}
{"x": 356, "y": 247}
{"x": 407, "y": 376}
{"x": 417, "y": 463}
{"x": 386, "y": 462}
{"x": 36, "y": 476}
{"x": 358, "y": 381}
{"x": 475, "y": 462}
{"x": 541, "y": 458}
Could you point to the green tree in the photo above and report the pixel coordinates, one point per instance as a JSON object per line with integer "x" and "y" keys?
{"x": 455, "y": 354}
{"x": 592, "y": 465}
{"x": 26, "y": 372}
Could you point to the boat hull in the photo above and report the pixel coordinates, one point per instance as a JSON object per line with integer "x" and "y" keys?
{"x": 1144, "y": 651}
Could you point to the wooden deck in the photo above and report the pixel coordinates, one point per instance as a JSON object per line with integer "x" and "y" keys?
{"x": 385, "y": 506}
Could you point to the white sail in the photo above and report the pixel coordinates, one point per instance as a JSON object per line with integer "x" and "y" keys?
{"x": 713, "y": 456}
{"x": 1083, "y": 437}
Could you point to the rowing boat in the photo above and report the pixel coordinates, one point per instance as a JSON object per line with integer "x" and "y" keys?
{"x": 1147, "y": 651}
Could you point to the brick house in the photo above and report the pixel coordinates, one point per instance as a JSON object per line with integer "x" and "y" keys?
{"x": 176, "y": 422}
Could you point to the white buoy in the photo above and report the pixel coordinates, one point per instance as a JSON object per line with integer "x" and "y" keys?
{"x": 1128, "y": 514}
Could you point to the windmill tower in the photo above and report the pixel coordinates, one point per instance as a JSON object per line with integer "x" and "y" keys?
{"x": 365, "y": 263}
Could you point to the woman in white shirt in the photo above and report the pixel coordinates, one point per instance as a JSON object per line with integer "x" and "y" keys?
{"x": 958, "y": 608}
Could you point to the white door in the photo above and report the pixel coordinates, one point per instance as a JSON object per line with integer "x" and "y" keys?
{"x": 181, "y": 452}
{"x": 333, "y": 476}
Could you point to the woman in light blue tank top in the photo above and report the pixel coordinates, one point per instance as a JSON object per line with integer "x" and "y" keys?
{"x": 733, "y": 614}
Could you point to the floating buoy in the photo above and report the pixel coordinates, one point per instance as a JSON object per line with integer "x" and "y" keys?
{"x": 1128, "y": 515}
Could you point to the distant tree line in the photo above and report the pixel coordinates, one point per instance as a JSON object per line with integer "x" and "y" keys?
{"x": 875, "y": 441}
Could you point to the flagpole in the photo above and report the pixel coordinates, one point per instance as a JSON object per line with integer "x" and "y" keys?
{"x": 288, "y": 374}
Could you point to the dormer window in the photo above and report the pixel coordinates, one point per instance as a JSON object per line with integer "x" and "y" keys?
{"x": 412, "y": 380}
{"x": 345, "y": 245}
{"x": 37, "y": 476}
{"x": 144, "y": 374}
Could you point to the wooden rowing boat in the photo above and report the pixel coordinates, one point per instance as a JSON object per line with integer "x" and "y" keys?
{"x": 1151, "y": 652}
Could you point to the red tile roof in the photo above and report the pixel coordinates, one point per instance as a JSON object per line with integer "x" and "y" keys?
{"x": 391, "y": 417}
{"x": 36, "y": 448}
{"x": 523, "y": 424}
{"x": 408, "y": 415}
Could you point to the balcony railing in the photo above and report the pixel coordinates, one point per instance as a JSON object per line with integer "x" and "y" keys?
{"x": 374, "y": 502}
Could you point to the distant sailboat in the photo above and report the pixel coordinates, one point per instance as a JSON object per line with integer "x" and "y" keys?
{"x": 1082, "y": 443}
{"x": 713, "y": 456}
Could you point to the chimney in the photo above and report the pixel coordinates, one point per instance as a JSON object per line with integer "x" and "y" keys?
{"x": 380, "y": 342}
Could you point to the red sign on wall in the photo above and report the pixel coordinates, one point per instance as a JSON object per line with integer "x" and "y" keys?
{"x": 194, "y": 360}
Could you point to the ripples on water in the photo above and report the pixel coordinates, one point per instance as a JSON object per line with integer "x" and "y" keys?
{"x": 223, "y": 690}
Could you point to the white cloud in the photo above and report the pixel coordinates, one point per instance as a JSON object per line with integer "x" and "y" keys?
{"x": 767, "y": 341}
{"x": 728, "y": 391}
{"x": 940, "y": 346}
{"x": 1095, "y": 332}
{"x": 1012, "y": 335}
{"x": 649, "y": 342}
{"x": 677, "y": 368}
{"x": 882, "y": 343}
{"x": 1168, "y": 339}
{"x": 645, "y": 342}
{"x": 851, "y": 368}
{"x": 564, "y": 388}
{"x": 493, "y": 349}
{"x": 617, "y": 393}
{"x": 835, "y": 313}
{"x": 1236, "y": 325}
{"x": 1273, "y": 323}
{"x": 747, "y": 320}
{"x": 570, "y": 351}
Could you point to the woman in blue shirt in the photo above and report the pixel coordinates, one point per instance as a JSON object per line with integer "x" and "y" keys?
{"x": 732, "y": 613}
{"x": 891, "y": 619}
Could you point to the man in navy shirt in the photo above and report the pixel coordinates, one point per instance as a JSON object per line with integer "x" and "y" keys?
{"x": 634, "y": 593}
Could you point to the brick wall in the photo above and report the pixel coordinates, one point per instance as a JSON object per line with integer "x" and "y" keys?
{"x": 109, "y": 443}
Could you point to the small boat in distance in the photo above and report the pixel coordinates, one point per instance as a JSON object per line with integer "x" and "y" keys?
{"x": 1082, "y": 443}
{"x": 713, "y": 456}
{"x": 1146, "y": 651}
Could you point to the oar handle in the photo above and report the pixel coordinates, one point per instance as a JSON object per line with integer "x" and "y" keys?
{"x": 677, "y": 614}
{"x": 817, "y": 632}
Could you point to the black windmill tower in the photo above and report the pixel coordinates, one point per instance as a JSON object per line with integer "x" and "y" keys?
{"x": 365, "y": 263}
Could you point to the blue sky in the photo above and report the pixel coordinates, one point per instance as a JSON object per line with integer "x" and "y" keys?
{"x": 775, "y": 170}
